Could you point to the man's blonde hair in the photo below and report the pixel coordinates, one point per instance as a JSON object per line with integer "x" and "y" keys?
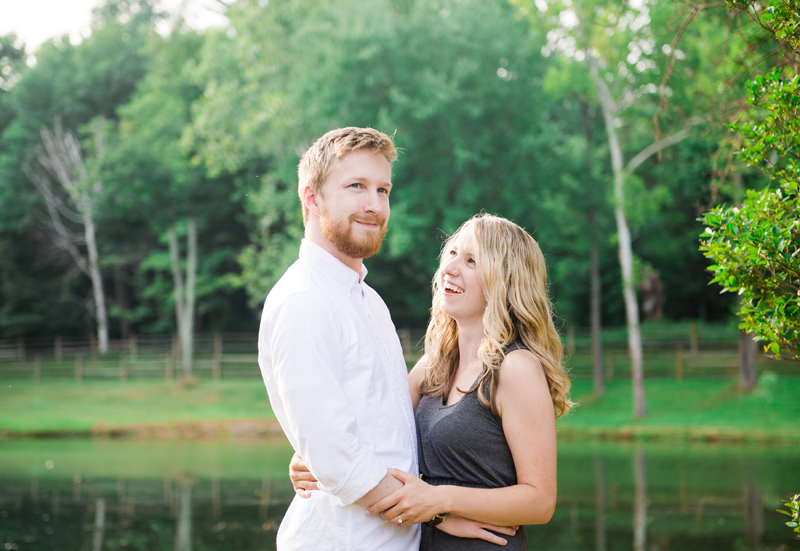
{"x": 319, "y": 161}
{"x": 513, "y": 275}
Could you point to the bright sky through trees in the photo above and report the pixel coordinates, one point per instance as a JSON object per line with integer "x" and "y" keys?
{"x": 35, "y": 21}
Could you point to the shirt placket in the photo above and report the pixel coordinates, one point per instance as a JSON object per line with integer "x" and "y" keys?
{"x": 399, "y": 386}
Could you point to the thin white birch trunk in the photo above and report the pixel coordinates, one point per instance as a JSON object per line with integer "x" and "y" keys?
{"x": 94, "y": 274}
{"x": 185, "y": 297}
{"x": 61, "y": 156}
{"x": 624, "y": 239}
{"x": 609, "y": 109}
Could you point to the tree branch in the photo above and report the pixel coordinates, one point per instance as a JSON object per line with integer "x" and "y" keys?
{"x": 657, "y": 146}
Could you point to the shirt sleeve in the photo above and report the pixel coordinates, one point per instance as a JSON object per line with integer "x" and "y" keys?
{"x": 305, "y": 339}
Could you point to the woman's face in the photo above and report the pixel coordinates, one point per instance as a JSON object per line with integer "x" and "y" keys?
{"x": 462, "y": 295}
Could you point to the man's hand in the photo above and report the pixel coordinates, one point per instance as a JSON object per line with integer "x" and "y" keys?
{"x": 302, "y": 479}
{"x": 465, "y": 528}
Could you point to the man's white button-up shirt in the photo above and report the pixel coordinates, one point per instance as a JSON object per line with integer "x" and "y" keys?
{"x": 337, "y": 382}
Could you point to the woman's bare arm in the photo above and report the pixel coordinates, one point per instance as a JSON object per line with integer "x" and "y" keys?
{"x": 528, "y": 416}
{"x": 415, "y": 378}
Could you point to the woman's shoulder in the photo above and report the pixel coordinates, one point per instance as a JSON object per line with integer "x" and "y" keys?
{"x": 520, "y": 364}
{"x": 416, "y": 376}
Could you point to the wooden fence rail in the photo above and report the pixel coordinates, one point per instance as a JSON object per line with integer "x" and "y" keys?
{"x": 680, "y": 352}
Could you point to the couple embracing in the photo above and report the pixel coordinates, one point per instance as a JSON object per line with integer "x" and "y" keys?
{"x": 460, "y": 452}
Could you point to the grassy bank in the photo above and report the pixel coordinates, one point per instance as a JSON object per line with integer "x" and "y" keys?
{"x": 147, "y": 408}
{"x": 692, "y": 410}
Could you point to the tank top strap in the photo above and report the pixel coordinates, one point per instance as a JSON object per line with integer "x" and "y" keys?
{"x": 516, "y": 345}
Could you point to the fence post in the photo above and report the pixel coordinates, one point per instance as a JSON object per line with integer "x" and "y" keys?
{"x": 58, "y": 349}
{"x": 168, "y": 367}
{"x": 93, "y": 346}
{"x": 123, "y": 367}
{"x": 21, "y": 349}
{"x": 216, "y": 366}
{"x": 405, "y": 341}
{"x": 132, "y": 346}
{"x": 610, "y": 365}
{"x": 695, "y": 347}
{"x": 37, "y": 368}
{"x": 679, "y": 364}
{"x": 570, "y": 340}
{"x": 79, "y": 368}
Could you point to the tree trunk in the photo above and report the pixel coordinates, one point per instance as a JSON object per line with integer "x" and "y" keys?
{"x": 94, "y": 272}
{"x": 747, "y": 361}
{"x": 625, "y": 250}
{"x": 187, "y": 339}
{"x": 60, "y": 153}
{"x": 185, "y": 298}
{"x": 122, "y": 302}
{"x": 594, "y": 268}
{"x": 597, "y": 339}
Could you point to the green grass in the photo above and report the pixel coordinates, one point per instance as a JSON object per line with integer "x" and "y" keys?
{"x": 68, "y": 406}
{"x": 690, "y": 410}
{"x": 698, "y": 409}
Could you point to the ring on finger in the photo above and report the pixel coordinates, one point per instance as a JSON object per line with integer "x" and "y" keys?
{"x": 399, "y": 519}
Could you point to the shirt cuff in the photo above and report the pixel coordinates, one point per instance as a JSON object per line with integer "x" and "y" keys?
{"x": 365, "y": 473}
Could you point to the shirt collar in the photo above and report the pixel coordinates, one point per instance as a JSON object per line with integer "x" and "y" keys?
{"x": 331, "y": 267}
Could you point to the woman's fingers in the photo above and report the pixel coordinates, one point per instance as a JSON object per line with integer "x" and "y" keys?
{"x": 305, "y": 485}
{"x": 384, "y": 504}
{"x": 490, "y": 537}
{"x": 507, "y": 530}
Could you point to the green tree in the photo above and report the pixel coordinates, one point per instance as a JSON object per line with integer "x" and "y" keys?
{"x": 75, "y": 83}
{"x": 756, "y": 247}
{"x": 157, "y": 187}
{"x": 459, "y": 82}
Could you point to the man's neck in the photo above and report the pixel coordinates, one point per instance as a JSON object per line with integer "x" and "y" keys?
{"x": 314, "y": 234}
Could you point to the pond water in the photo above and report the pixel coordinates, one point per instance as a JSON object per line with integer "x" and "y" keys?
{"x": 94, "y": 494}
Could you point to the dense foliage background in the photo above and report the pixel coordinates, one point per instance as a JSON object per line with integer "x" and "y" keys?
{"x": 490, "y": 105}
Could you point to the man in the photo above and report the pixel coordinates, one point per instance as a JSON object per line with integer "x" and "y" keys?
{"x": 330, "y": 356}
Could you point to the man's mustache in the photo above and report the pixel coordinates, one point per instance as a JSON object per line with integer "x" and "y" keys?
{"x": 377, "y": 220}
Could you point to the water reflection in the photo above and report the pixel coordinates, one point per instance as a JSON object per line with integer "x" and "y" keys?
{"x": 640, "y": 501}
{"x": 646, "y": 498}
{"x": 600, "y": 505}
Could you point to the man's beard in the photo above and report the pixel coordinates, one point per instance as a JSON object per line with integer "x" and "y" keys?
{"x": 340, "y": 233}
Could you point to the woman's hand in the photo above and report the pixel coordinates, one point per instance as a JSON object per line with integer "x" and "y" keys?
{"x": 461, "y": 527}
{"x": 302, "y": 479}
{"x": 416, "y": 501}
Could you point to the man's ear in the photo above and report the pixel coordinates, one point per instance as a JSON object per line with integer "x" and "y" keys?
{"x": 310, "y": 200}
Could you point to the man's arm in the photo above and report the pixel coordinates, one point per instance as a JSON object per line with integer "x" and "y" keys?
{"x": 304, "y": 336}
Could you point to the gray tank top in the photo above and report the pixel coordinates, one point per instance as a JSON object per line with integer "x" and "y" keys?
{"x": 463, "y": 444}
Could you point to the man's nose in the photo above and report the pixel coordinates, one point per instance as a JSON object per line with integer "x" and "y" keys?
{"x": 373, "y": 202}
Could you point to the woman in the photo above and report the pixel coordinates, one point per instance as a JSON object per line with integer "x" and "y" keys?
{"x": 487, "y": 392}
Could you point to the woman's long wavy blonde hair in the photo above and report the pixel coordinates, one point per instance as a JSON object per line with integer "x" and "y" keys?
{"x": 513, "y": 275}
